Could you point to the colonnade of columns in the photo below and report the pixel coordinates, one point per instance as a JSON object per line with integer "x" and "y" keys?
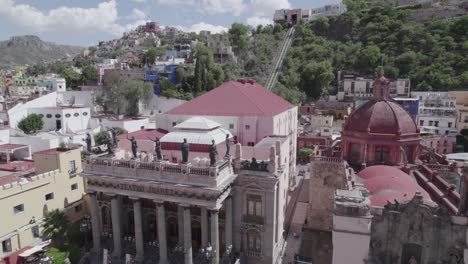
{"x": 184, "y": 226}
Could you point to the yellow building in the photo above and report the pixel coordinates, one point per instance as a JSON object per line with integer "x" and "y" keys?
{"x": 462, "y": 108}
{"x": 31, "y": 189}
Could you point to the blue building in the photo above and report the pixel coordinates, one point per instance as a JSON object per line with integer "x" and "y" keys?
{"x": 411, "y": 105}
{"x": 153, "y": 74}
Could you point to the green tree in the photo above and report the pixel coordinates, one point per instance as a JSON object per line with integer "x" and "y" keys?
{"x": 239, "y": 39}
{"x": 31, "y": 124}
{"x": 355, "y": 5}
{"x": 316, "y": 77}
{"x": 114, "y": 92}
{"x": 71, "y": 77}
{"x": 304, "y": 154}
{"x": 88, "y": 73}
{"x": 150, "y": 56}
{"x": 207, "y": 75}
{"x": 55, "y": 226}
{"x": 277, "y": 28}
{"x": 137, "y": 91}
{"x": 369, "y": 58}
{"x": 321, "y": 25}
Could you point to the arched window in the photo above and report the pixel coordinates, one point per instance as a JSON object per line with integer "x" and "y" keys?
{"x": 254, "y": 242}
{"x": 67, "y": 115}
{"x": 58, "y": 115}
{"x": 355, "y": 152}
{"x": 76, "y": 114}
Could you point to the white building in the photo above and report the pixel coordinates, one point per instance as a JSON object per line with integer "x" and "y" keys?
{"x": 357, "y": 87}
{"x": 437, "y": 113}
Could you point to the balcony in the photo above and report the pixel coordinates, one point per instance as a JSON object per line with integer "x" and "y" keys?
{"x": 162, "y": 171}
{"x": 72, "y": 172}
{"x": 253, "y": 219}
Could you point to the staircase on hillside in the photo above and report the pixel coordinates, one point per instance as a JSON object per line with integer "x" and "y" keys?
{"x": 278, "y": 62}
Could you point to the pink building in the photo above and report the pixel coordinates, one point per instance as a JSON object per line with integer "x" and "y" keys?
{"x": 244, "y": 108}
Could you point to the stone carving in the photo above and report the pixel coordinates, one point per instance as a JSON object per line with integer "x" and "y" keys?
{"x": 185, "y": 148}
{"x": 134, "y": 146}
{"x": 109, "y": 145}
{"x": 228, "y": 146}
{"x": 89, "y": 142}
{"x": 254, "y": 165}
{"x": 213, "y": 153}
{"x": 157, "y": 148}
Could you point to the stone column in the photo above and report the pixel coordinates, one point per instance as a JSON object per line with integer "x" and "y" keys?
{"x": 187, "y": 235}
{"x": 138, "y": 229}
{"x": 180, "y": 224}
{"x": 162, "y": 238}
{"x": 215, "y": 236}
{"x": 204, "y": 227}
{"x": 228, "y": 222}
{"x": 116, "y": 226}
{"x": 96, "y": 227}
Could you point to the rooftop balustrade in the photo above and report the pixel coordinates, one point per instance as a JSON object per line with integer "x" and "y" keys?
{"x": 161, "y": 171}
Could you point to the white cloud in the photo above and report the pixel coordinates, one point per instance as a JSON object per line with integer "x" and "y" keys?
{"x": 138, "y": 1}
{"x": 255, "y": 21}
{"x": 136, "y": 14}
{"x": 203, "y": 26}
{"x": 267, "y": 7}
{"x": 72, "y": 20}
{"x": 234, "y": 7}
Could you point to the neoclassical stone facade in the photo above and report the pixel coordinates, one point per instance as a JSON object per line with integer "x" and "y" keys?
{"x": 169, "y": 212}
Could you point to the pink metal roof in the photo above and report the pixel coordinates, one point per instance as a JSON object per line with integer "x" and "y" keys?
{"x": 234, "y": 98}
{"x": 387, "y": 183}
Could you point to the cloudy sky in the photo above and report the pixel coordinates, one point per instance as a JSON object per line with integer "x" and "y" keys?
{"x": 85, "y": 22}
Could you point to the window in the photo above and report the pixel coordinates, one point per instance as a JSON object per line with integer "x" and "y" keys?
{"x": 231, "y": 126}
{"x": 247, "y": 127}
{"x": 254, "y": 241}
{"x": 449, "y": 124}
{"x": 355, "y": 152}
{"x": 78, "y": 208}
{"x": 6, "y": 245}
{"x": 436, "y": 123}
{"x": 49, "y": 116}
{"x": 431, "y": 123}
{"x": 85, "y": 113}
{"x": 67, "y": 115}
{"x": 436, "y": 131}
{"x": 71, "y": 167}
{"x": 250, "y": 144}
{"x": 76, "y": 114}
{"x": 19, "y": 208}
{"x": 421, "y": 122}
{"x": 174, "y": 124}
{"x": 74, "y": 186}
{"x": 254, "y": 205}
{"x": 49, "y": 196}
{"x": 41, "y": 115}
{"x": 58, "y": 115}
{"x": 381, "y": 154}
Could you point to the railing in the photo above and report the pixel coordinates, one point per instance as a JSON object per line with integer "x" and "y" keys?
{"x": 253, "y": 219}
{"x": 146, "y": 166}
{"x": 444, "y": 168}
{"x": 199, "y": 171}
{"x": 224, "y": 164}
{"x": 252, "y": 253}
{"x": 172, "y": 168}
{"x": 326, "y": 159}
{"x": 123, "y": 163}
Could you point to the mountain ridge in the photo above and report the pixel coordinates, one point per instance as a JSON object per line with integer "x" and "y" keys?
{"x": 30, "y": 49}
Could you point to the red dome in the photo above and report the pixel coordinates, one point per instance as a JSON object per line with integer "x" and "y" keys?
{"x": 381, "y": 117}
{"x": 387, "y": 183}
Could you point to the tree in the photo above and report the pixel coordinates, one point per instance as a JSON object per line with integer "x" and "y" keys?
{"x": 355, "y": 5}
{"x": 88, "y": 73}
{"x": 277, "y": 28}
{"x": 316, "y": 77}
{"x": 239, "y": 39}
{"x": 114, "y": 92}
{"x": 321, "y": 25}
{"x": 31, "y": 124}
{"x": 369, "y": 57}
{"x": 137, "y": 91}
{"x": 304, "y": 154}
{"x": 55, "y": 226}
{"x": 71, "y": 77}
{"x": 149, "y": 57}
{"x": 207, "y": 75}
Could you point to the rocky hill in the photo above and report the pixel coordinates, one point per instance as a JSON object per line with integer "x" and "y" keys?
{"x": 21, "y": 50}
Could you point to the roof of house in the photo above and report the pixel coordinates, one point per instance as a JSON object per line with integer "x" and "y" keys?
{"x": 4, "y": 148}
{"x": 198, "y": 123}
{"x": 145, "y": 134}
{"x": 386, "y": 183}
{"x": 234, "y": 98}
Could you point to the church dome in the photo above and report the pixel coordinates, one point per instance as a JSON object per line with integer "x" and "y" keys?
{"x": 381, "y": 117}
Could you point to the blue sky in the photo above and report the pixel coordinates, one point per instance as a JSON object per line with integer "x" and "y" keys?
{"x": 85, "y": 22}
